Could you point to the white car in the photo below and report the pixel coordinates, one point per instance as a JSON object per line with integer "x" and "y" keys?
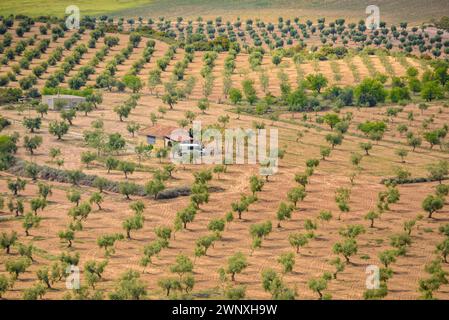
{"x": 187, "y": 148}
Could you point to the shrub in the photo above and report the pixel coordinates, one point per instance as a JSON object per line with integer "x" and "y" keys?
{"x": 369, "y": 93}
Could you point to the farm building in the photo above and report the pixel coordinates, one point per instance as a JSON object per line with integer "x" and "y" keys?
{"x": 66, "y": 101}
{"x": 164, "y": 135}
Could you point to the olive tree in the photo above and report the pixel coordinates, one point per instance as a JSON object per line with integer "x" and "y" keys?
{"x": 296, "y": 194}
{"x": 58, "y": 128}
{"x": 30, "y": 221}
{"x": 154, "y": 187}
{"x": 96, "y": 198}
{"x": 129, "y": 287}
{"x": 32, "y": 143}
{"x": 236, "y": 264}
{"x": 8, "y": 240}
{"x": 347, "y": 248}
{"x": 387, "y": 257}
{"x": 298, "y": 240}
{"x": 318, "y": 285}
{"x": 287, "y": 260}
{"x": 17, "y": 266}
{"x": 133, "y": 223}
{"x": 372, "y": 215}
{"x": 256, "y": 184}
{"x": 186, "y": 215}
{"x": 15, "y": 186}
{"x": 93, "y": 271}
{"x": 339, "y": 266}
{"x": 284, "y": 212}
{"x": 107, "y": 242}
{"x": 431, "y": 204}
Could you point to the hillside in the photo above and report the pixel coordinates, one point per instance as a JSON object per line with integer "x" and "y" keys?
{"x": 414, "y": 11}
{"x": 362, "y": 160}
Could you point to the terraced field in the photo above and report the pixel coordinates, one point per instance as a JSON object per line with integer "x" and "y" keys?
{"x": 321, "y": 140}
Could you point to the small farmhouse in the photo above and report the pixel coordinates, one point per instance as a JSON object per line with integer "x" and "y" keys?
{"x": 63, "y": 101}
{"x": 164, "y": 135}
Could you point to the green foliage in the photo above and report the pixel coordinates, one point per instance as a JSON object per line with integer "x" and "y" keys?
{"x": 347, "y": 248}
{"x": 58, "y": 128}
{"x": 30, "y": 221}
{"x": 129, "y": 287}
{"x": 15, "y": 186}
{"x": 298, "y": 240}
{"x": 287, "y": 260}
{"x": 272, "y": 283}
{"x": 17, "y": 266}
{"x": 36, "y": 291}
{"x": 339, "y": 266}
{"x": 128, "y": 188}
{"x": 93, "y": 271}
{"x": 439, "y": 170}
{"x": 320, "y": 284}
{"x": 387, "y": 257}
{"x": 437, "y": 278}
{"x": 32, "y": 143}
{"x": 133, "y": 83}
{"x": 133, "y": 223}
{"x": 256, "y": 184}
{"x": 369, "y": 93}
{"x": 316, "y": 82}
{"x": 334, "y": 139}
{"x": 4, "y": 284}
{"x": 107, "y": 242}
{"x": 372, "y": 215}
{"x": 401, "y": 241}
{"x": 186, "y": 215}
{"x": 431, "y": 90}
{"x": 284, "y": 212}
{"x": 296, "y": 194}
{"x": 431, "y": 204}
{"x": 236, "y": 264}
{"x": 8, "y": 240}
{"x": 235, "y": 95}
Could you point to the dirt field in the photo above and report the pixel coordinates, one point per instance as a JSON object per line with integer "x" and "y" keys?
{"x": 331, "y": 174}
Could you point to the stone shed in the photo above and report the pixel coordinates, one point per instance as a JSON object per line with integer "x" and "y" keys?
{"x": 67, "y": 101}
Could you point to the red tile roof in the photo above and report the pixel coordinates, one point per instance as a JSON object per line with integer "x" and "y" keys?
{"x": 161, "y": 131}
